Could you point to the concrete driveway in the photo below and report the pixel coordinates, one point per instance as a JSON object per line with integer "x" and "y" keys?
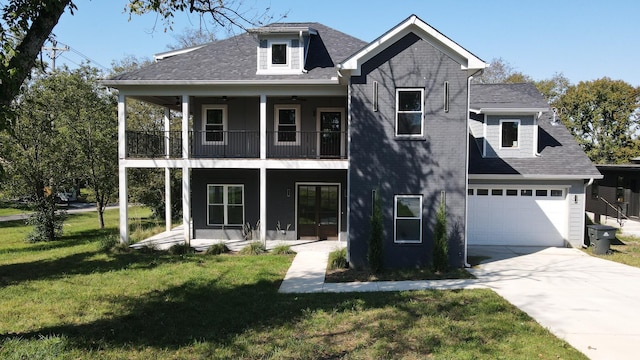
{"x": 591, "y": 303}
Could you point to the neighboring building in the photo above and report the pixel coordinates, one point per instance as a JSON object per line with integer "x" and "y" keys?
{"x": 299, "y": 124}
{"x": 617, "y": 193}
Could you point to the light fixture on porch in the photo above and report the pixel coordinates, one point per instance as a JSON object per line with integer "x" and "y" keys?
{"x": 288, "y": 193}
{"x": 225, "y": 98}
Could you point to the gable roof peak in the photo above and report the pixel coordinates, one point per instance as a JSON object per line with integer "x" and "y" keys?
{"x": 413, "y": 24}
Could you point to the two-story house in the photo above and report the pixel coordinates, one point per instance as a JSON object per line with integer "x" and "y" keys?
{"x": 296, "y": 126}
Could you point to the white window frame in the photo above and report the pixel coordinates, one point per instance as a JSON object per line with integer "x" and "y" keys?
{"x": 287, "y": 64}
{"x": 395, "y": 219}
{"x": 225, "y": 203}
{"x": 224, "y": 123}
{"x": 398, "y": 91}
{"x": 518, "y": 136}
{"x": 276, "y": 123}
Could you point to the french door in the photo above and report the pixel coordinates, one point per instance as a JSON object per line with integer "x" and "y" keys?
{"x": 318, "y": 211}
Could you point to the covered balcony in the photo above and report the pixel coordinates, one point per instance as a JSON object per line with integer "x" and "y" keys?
{"x": 238, "y": 144}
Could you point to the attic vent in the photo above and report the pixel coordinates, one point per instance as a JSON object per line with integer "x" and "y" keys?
{"x": 555, "y": 121}
{"x": 446, "y": 96}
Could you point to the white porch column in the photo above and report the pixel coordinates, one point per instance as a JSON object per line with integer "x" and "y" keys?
{"x": 263, "y": 169}
{"x": 186, "y": 176}
{"x": 263, "y": 127}
{"x": 167, "y": 171}
{"x": 263, "y": 204}
{"x": 122, "y": 171}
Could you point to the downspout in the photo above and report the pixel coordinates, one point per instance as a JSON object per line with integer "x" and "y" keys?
{"x": 466, "y": 172}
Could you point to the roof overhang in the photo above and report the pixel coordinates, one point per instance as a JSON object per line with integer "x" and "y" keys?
{"x": 510, "y": 111}
{"x": 283, "y": 30}
{"x": 117, "y": 83}
{"x": 414, "y": 24}
{"x": 532, "y": 177}
{"x": 168, "y": 54}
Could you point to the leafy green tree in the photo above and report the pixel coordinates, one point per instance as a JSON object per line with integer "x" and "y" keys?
{"x": 602, "y": 116}
{"x": 36, "y": 155}
{"x": 27, "y": 24}
{"x": 501, "y": 72}
{"x": 553, "y": 88}
{"x": 92, "y": 122}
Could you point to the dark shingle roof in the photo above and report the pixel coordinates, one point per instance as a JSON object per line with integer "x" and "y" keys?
{"x": 235, "y": 58}
{"x": 506, "y": 96}
{"x": 560, "y": 154}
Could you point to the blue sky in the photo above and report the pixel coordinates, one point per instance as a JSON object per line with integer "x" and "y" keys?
{"x": 583, "y": 39}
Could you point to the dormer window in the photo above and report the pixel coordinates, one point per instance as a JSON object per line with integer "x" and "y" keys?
{"x": 279, "y": 54}
{"x": 509, "y": 134}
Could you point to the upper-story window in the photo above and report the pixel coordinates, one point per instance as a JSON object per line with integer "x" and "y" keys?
{"x": 509, "y": 134}
{"x": 409, "y": 112}
{"x": 214, "y": 124}
{"x": 287, "y": 124}
{"x": 279, "y": 54}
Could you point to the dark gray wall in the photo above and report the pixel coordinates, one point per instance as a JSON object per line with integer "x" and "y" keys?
{"x": 398, "y": 166}
{"x": 200, "y": 178}
{"x": 280, "y": 207}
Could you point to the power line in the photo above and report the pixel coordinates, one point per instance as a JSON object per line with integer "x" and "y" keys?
{"x": 54, "y": 52}
{"x": 71, "y": 49}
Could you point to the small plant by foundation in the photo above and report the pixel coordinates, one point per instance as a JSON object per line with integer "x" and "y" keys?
{"x": 107, "y": 243}
{"x": 254, "y": 248}
{"x": 338, "y": 259}
{"x": 217, "y": 249}
{"x": 181, "y": 249}
{"x": 282, "y": 249}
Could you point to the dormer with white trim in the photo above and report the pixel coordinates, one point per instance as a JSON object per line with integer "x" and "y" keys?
{"x": 503, "y": 118}
{"x": 282, "y": 49}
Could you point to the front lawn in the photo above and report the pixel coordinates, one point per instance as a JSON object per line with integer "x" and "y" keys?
{"x": 68, "y": 300}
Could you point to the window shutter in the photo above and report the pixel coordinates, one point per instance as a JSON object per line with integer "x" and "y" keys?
{"x": 262, "y": 55}
{"x": 295, "y": 54}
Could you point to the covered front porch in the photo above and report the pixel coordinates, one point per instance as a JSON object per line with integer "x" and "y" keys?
{"x": 230, "y": 127}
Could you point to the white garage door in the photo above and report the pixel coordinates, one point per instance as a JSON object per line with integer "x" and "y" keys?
{"x": 517, "y": 216}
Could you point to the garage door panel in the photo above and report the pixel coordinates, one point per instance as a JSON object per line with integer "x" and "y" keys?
{"x": 517, "y": 220}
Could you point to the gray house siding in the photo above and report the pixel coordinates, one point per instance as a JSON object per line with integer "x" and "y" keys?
{"x": 525, "y": 148}
{"x": 281, "y": 199}
{"x": 394, "y": 166}
{"x": 200, "y": 178}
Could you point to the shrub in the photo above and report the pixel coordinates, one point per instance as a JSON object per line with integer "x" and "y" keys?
{"x": 338, "y": 259}
{"x": 107, "y": 243}
{"x": 47, "y": 221}
{"x": 440, "y": 249}
{"x": 217, "y": 249}
{"x": 181, "y": 249}
{"x": 282, "y": 249}
{"x": 375, "y": 255}
{"x": 254, "y": 248}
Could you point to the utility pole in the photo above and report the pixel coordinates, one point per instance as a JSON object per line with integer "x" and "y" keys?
{"x": 54, "y": 51}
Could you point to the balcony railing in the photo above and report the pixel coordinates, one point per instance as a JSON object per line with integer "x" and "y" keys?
{"x": 238, "y": 144}
{"x": 152, "y": 144}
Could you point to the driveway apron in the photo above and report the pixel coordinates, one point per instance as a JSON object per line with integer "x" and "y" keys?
{"x": 591, "y": 303}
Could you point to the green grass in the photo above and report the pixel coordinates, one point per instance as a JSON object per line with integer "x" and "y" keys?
{"x": 625, "y": 250}
{"x": 70, "y": 300}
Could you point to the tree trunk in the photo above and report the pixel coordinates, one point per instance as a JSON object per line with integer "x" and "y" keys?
{"x": 19, "y": 67}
